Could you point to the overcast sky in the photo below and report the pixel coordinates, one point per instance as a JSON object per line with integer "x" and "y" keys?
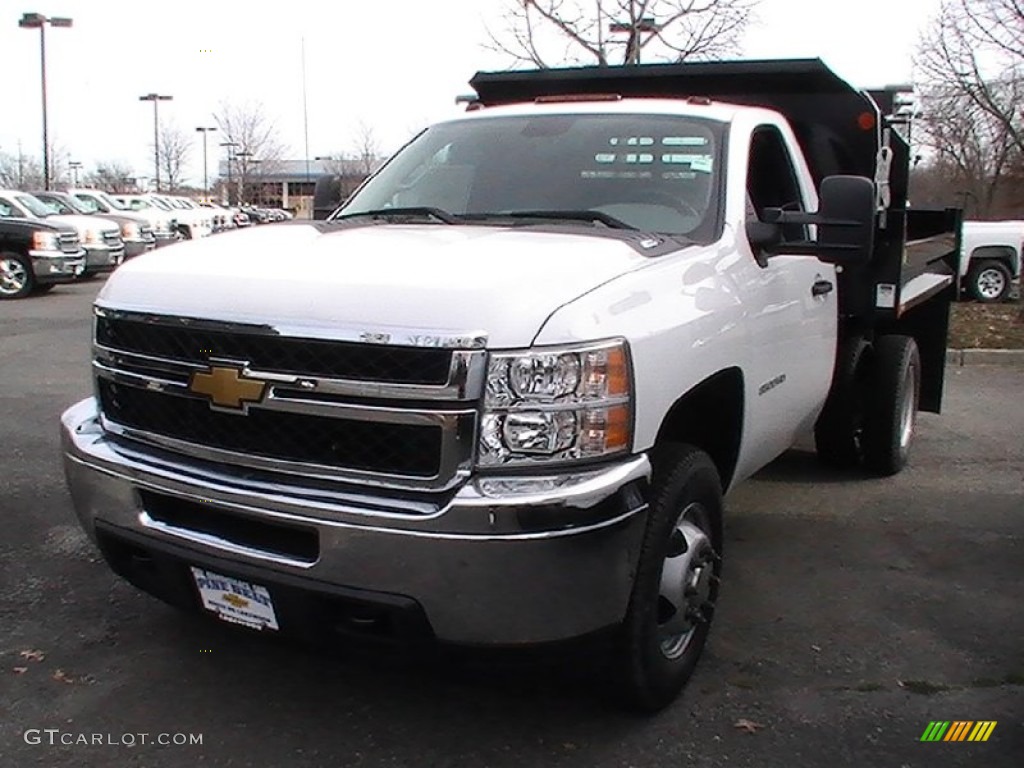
{"x": 395, "y": 65}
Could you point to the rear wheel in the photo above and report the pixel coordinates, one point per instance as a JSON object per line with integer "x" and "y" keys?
{"x": 16, "y": 277}
{"x": 989, "y": 281}
{"x": 892, "y": 404}
{"x": 676, "y": 585}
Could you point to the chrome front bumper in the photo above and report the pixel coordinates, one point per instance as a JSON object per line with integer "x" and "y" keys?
{"x": 57, "y": 266}
{"x": 506, "y": 561}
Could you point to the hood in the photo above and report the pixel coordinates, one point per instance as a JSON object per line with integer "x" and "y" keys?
{"x": 32, "y": 225}
{"x": 399, "y": 279}
{"x": 83, "y": 223}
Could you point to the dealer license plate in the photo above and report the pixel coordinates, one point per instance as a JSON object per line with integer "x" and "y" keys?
{"x": 234, "y": 600}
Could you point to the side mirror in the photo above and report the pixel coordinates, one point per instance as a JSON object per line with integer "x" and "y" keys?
{"x": 763, "y": 235}
{"x": 847, "y": 220}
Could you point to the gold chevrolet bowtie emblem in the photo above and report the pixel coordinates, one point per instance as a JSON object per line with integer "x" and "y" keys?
{"x": 235, "y": 600}
{"x": 227, "y": 387}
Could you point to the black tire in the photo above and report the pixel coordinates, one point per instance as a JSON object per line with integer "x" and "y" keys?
{"x": 17, "y": 280}
{"x": 989, "y": 281}
{"x": 676, "y": 585}
{"x": 892, "y": 406}
{"x": 838, "y": 433}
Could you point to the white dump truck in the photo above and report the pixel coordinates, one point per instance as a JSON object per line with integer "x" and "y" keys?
{"x": 497, "y": 397}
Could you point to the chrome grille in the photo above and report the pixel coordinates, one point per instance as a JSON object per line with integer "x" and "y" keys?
{"x": 112, "y": 238}
{"x": 69, "y": 242}
{"x": 395, "y": 416}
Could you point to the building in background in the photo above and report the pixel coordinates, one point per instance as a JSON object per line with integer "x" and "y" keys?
{"x": 284, "y": 183}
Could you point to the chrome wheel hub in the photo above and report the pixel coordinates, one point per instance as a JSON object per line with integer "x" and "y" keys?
{"x": 13, "y": 276}
{"x": 991, "y": 283}
{"x": 687, "y": 576}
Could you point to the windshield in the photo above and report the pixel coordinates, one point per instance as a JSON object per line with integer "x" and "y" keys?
{"x": 87, "y": 203}
{"x": 656, "y": 173}
{"x": 160, "y": 203}
{"x": 36, "y": 206}
{"x": 62, "y": 205}
{"x": 116, "y": 205}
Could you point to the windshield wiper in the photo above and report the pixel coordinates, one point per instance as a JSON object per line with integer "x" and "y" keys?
{"x": 418, "y": 210}
{"x": 580, "y": 215}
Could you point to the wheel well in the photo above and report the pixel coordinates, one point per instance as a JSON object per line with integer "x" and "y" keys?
{"x": 1002, "y": 253}
{"x": 710, "y": 416}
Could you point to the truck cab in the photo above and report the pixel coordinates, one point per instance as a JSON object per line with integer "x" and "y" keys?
{"x": 507, "y": 385}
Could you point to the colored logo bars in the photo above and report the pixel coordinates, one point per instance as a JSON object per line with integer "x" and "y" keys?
{"x": 958, "y": 730}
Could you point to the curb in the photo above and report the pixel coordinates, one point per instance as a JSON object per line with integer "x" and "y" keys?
{"x": 963, "y": 357}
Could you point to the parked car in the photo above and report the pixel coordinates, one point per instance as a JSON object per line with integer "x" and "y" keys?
{"x": 136, "y": 232}
{"x": 104, "y": 248}
{"x": 221, "y": 217}
{"x": 36, "y": 255}
{"x": 160, "y": 216}
{"x": 98, "y": 201}
{"x": 990, "y": 259}
{"x": 193, "y": 220}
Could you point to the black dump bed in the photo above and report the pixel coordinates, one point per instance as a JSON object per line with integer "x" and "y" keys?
{"x": 842, "y": 131}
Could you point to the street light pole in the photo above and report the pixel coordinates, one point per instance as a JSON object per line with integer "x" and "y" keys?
{"x": 206, "y": 183}
{"x": 156, "y": 98}
{"x": 33, "y": 21}
{"x": 230, "y": 145}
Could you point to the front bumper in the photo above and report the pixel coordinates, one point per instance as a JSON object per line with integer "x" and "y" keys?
{"x": 133, "y": 248}
{"x": 502, "y": 562}
{"x": 56, "y": 266}
{"x": 164, "y": 237}
{"x": 102, "y": 258}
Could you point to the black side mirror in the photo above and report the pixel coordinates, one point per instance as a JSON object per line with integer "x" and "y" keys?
{"x": 763, "y": 235}
{"x": 847, "y": 220}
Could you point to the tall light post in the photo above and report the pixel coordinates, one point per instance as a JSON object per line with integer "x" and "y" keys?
{"x": 156, "y": 98}
{"x": 230, "y": 146}
{"x": 243, "y": 165}
{"x": 39, "y": 21}
{"x": 206, "y": 183}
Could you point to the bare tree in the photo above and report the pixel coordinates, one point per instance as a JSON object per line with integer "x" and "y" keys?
{"x": 20, "y": 171}
{"x": 173, "y": 156}
{"x": 112, "y": 176}
{"x": 969, "y": 146}
{"x": 602, "y": 32}
{"x": 255, "y": 138}
{"x": 975, "y": 49}
{"x": 367, "y": 149}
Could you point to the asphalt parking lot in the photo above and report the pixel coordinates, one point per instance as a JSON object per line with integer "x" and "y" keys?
{"x": 854, "y": 611}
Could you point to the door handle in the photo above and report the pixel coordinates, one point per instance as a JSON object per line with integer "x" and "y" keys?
{"x": 821, "y": 287}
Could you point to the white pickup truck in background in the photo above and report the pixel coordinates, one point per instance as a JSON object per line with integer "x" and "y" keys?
{"x": 990, "y": 259}
{"x": 504, "y": 389}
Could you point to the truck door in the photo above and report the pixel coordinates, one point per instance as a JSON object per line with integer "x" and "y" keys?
{"x": 792, "y": 319}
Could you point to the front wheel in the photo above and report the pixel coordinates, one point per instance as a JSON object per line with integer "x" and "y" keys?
{"x": 16, "y": 277}
{"x": 892, "y": 404}
{"x": 676, "y": 585}
{"x": 989, "y": 281}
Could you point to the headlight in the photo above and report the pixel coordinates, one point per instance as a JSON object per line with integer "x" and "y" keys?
{"x": 130, "y": 230}
{"x": 93, "y": 236}
{"x": 557, "y": 405}
{"x": 45, "y": 241}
